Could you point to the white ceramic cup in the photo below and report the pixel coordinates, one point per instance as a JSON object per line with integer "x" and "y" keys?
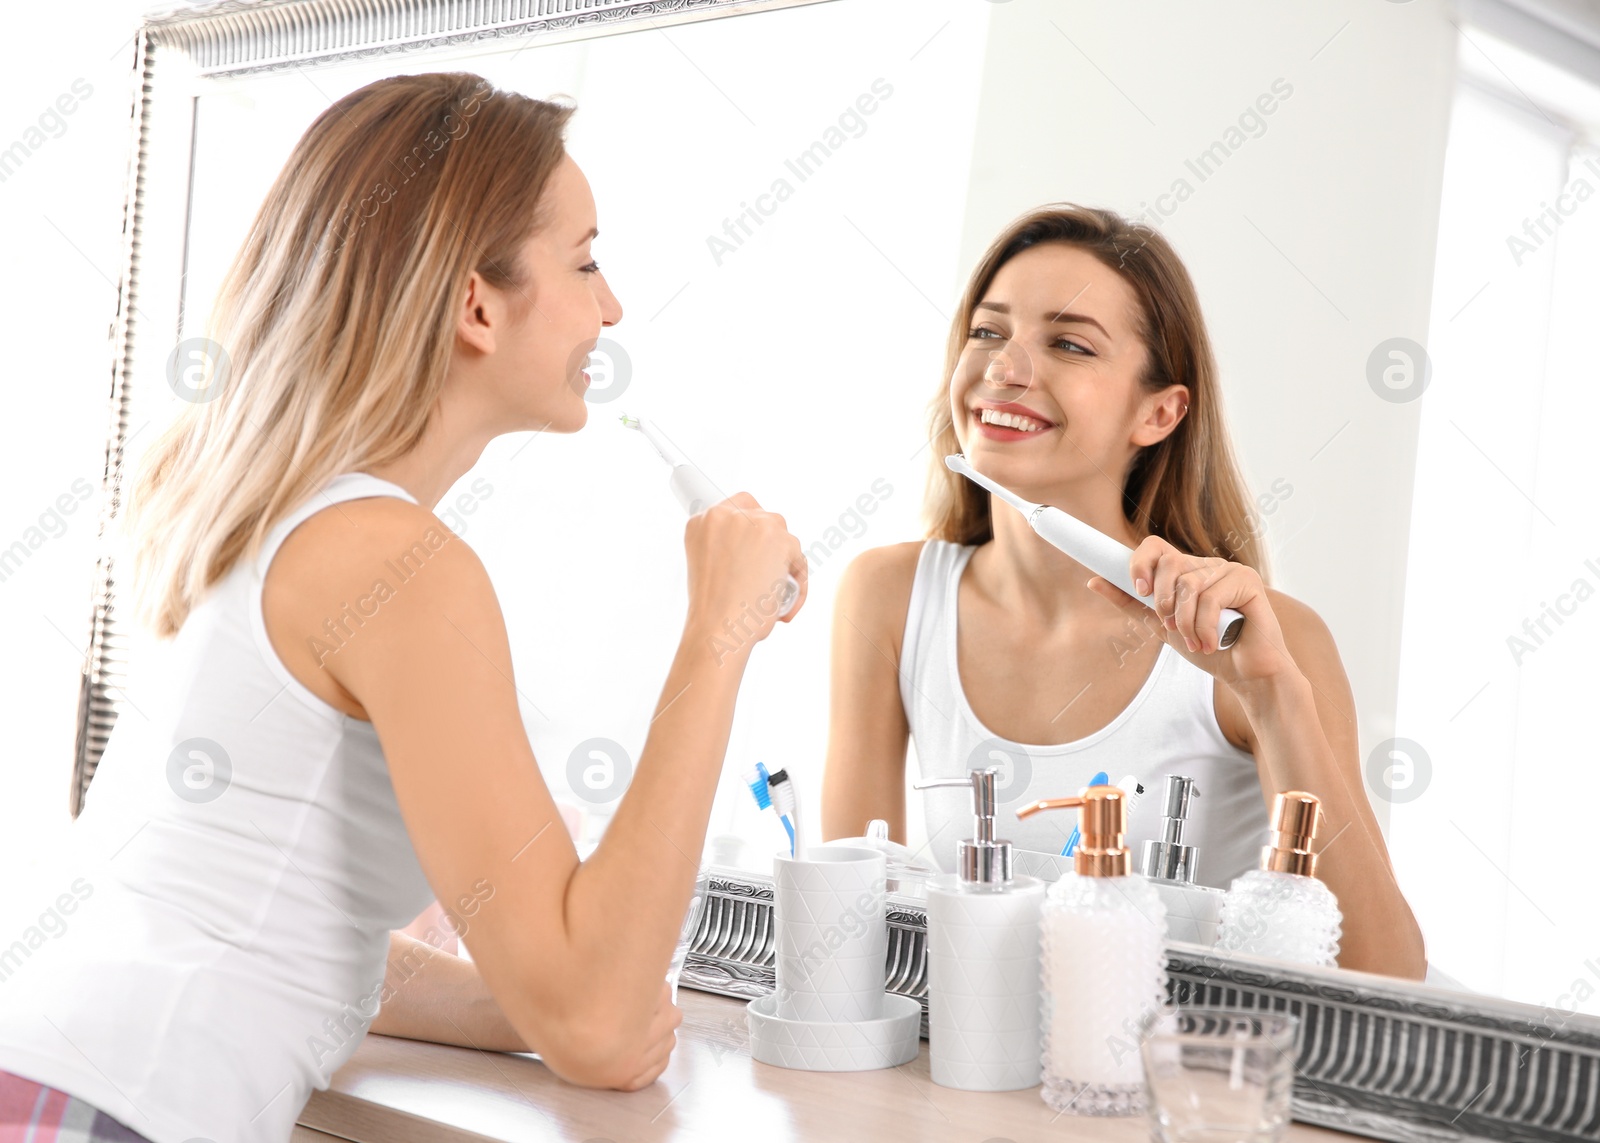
{"x": 831, "y": 938}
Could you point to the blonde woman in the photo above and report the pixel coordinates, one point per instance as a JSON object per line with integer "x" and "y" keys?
{"x": 337, "y": 742}
{"x": 1079, "y": 373}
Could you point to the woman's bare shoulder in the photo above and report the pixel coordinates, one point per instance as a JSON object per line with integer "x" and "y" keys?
{"x": 876, "y": 587}
{"x": 384, "y": 536}
{"x": 364, "y": 566}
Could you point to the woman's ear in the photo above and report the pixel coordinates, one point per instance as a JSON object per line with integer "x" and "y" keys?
{"x": 476, "y": 319}
{"x": 1159, "y": 414}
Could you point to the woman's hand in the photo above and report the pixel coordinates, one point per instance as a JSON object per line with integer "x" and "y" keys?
{"x": 739, "y": 559}
{"x": 1189, "y": 595}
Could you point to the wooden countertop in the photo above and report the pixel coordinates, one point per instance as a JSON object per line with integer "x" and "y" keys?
{"x": 404, "y": 1090}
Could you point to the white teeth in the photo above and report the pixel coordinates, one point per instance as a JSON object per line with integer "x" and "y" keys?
{"x": 1010, "y": 421}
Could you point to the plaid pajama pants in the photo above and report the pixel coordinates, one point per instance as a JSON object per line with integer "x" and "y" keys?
{"x": 33, "y": 1113}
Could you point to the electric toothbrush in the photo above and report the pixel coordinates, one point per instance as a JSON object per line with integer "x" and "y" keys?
{"x": 696, "y": 493}
{"x": 1106, "y": 557}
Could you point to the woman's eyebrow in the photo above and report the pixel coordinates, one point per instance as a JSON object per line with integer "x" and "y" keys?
{"x": 594, "y": 233}
{"x": 1060, "y": 316}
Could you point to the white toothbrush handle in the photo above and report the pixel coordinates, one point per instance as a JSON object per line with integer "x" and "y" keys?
{"x": 1108, "y": 559}
{"x": 696, "y": 493}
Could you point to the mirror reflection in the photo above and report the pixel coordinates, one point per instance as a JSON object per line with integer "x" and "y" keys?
{"x": 1081, "y": 376}
{"x": 1288, "y": 302}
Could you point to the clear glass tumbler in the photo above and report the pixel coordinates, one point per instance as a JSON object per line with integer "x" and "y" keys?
{"x": 1219, "y": 1075}
{"x": 691, "y": 926}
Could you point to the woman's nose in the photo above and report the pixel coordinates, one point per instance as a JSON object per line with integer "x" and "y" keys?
{"x": 1009, "y": 365}
{"x": 610, "y": 308}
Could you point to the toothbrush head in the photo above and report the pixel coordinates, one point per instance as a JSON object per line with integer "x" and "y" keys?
{"x": 663, "y": 449}
{"x": 756, "y": 779}
{"x": 783, "y": 793}
{"x": 957, "y": 462}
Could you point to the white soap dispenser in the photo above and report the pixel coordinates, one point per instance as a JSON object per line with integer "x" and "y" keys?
{"x": 1282, "y": 910}
{"x": 983, "y": 959}
{"x": 1102, "y": 951}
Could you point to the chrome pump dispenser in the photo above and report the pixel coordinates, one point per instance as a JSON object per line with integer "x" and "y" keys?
{"x": 981, "y": 859}
{"x": 1170, "y": 859}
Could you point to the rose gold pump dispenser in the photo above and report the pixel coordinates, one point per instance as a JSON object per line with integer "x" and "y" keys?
{"x": 1102, "y": 964}
{"x": 1103, "y": 825}
{"x": 1282, "y": 909}
{"x": 1296, "y": 817}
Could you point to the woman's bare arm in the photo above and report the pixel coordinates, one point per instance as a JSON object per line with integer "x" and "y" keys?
{"x": 864, "y": 777}
{"x": 1302, "y": 729}
{"x": 429, "y": 994}
{"x": 431, "y": 666}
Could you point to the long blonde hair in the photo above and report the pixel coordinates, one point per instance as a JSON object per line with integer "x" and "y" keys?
{"x": 336, "y": 319}
{"x": 1186, "y": 488}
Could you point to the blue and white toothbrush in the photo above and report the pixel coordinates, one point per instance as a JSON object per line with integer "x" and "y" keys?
{"x": 776, "y": 792}
{"x": 696, "y": 493}
{"x": 786, "y": 800}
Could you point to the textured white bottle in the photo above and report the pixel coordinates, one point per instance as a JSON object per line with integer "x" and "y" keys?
{"x": 1288, "y": 916}
{"x": 983, "y": 983}
{"x": 1104, "y": 968}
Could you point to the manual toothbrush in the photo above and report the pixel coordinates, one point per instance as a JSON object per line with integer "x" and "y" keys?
{"x": 786, "y": 800}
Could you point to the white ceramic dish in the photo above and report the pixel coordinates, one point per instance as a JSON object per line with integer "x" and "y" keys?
{"x": 817, "y": 1046}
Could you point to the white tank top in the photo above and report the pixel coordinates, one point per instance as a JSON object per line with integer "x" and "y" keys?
{"x": 239, "y": 864}
{"x": 1170, "y": 727}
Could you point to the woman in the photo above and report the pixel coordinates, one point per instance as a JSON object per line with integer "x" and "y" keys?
{"x": 337, "y": 741}
{"x": 1079, "y": 374}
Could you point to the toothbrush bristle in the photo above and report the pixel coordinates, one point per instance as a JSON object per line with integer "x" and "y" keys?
{"x": 631, "y": 422}
{"x": 758, "y": 787}
{"x": 782, "y": 791}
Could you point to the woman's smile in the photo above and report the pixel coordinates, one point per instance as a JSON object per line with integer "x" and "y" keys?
{"x": 1009, "y": 422}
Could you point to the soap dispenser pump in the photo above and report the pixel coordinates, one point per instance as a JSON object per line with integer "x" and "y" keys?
{"x": 1103, "y": 957}
{"x": 1282, "y": 909}
{"x": 1169, "y": 859}
{"x": 983, "y": 958}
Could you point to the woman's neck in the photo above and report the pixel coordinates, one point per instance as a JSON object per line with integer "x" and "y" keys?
{"x": 447, "y": 451}
{"x": 1032, "y": 578}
